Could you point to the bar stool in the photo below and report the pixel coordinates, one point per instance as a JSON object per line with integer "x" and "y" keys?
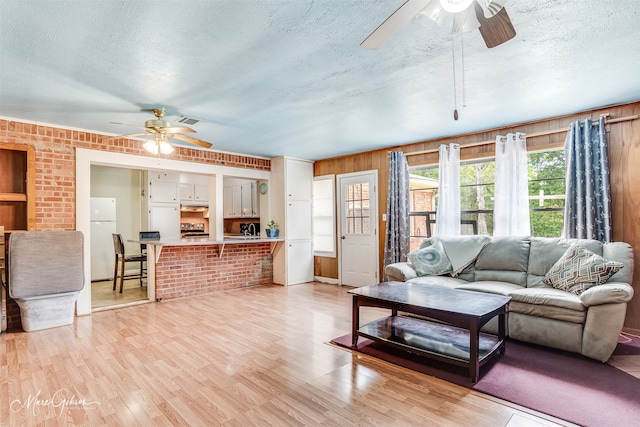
{"x": 118, "y": 246}
{"x": 147, "y": 235}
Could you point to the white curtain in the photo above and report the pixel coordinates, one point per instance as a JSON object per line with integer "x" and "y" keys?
{"x": 511, "y": 203}
{"x": 448, "y": 213}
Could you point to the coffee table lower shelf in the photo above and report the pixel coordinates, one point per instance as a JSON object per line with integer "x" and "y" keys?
{"x": 430, "y": 339}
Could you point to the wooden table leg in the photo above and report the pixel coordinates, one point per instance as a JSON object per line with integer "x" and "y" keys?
{"x": 474, "y": 343}
{"x": 502, "y": 328}
{"x": 355, "y": 321}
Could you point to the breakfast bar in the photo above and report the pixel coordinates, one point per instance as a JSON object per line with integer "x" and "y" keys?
{"x": 197, "y": 266}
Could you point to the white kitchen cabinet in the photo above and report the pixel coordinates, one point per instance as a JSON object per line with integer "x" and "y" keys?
{"x": 246, "y": 208}
{"x": 292, "y": 193}
{"x": 240, "y": 199}
{"x": 236, "y": 190}
{"x": 163, "y": 192}
{"x": 165, "y": 219}
{"x": 164, "y": 203}
{"x": 186, "y": 192}
{"x": 227, "y": 201}
{"x": 194, "y": 193}
{"x": 201, "y": 193}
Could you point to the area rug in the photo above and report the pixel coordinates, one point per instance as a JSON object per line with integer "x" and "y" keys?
{"x": 561, "y": 384}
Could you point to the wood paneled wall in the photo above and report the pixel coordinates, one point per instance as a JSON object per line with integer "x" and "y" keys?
{"x": 624, "y": 162}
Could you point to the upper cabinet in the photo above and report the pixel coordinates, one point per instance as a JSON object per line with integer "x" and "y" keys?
{"x": 240, "y": 199}
{"x": 194, "y": 193}
{"x": 299, "y": 180}
{"x": 194, "y": 189}
{"x": 17, "y": 187}
{"x": 163, "y": 192}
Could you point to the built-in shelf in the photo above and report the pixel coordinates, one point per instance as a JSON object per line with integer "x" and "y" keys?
{"x": 17, "y": 187}
{"x": 13, "y": 197}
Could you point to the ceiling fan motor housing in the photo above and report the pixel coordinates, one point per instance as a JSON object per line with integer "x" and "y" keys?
{"x": 157, "y": 124}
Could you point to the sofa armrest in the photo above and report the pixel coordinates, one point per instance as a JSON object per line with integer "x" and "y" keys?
{"x": 400, "y": 272}
{"x": 608, "y": 293}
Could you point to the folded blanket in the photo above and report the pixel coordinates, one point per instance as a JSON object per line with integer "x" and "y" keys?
{"x": 462, "y": 251}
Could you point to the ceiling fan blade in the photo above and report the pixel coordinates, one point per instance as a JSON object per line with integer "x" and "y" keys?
{"x": 129, "y": 135}
{"x": 126, "y": 124}
{"x": 192, "y": 140}
{"x": 393, "y": 23}
{"x": 497, "y": 29}
{"x": 178, "y": 130}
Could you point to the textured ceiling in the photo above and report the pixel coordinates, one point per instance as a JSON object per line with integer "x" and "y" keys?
{"x": 287, "y": 77}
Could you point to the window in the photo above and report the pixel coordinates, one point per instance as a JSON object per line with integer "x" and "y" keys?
{"x": 357, "y": 215}
{"x": 324, "y": 218}
{"x": 546, "y": 195}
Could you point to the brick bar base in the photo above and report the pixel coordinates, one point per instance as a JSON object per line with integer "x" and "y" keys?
{"x": 195, "y": 270}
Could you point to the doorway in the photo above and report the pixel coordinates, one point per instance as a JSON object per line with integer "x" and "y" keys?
{"x": 358, "y": 230}
{"x": 116, "y": 207}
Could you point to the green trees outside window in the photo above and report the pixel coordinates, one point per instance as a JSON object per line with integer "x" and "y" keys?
{"x": 546, "y": 194}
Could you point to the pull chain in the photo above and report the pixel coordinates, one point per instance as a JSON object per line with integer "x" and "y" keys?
{"x": 464, "y": 98}
{"x": 453, "y": 62}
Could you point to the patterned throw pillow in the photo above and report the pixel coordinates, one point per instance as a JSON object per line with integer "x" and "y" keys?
{"x": 579, "y": 269}
{"x": 430, "y": 261}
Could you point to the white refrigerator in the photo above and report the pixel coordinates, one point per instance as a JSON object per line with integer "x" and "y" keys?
{"x": 103, "y": 225}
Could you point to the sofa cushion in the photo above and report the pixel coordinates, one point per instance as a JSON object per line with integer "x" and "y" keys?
{"x": 505, "y": 253}
{"x": 444, "y": 281}
{"x": 505, "y": 259}
{"x": 621, "y": 252}
{"x": 548, "y": 296}
{"x": 548, "y": 312}
{"x": 431, "y": 260}
{"x": 579, "y": 269}
{"x": 491, "y": 287}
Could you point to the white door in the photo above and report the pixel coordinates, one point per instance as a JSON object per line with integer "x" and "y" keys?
{"x": 358, "y": 233}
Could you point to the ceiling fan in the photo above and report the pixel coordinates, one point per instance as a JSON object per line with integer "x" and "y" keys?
{"x": 161, "y": 131}
{"x": 489, "y": 16}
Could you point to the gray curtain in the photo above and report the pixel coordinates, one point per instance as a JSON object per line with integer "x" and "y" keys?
{"x": 396, "y": 245}
{"x": 587, "y": 212}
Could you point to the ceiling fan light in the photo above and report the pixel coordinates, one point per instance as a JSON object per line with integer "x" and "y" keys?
{"x": 466, "y": 21}
{"x": 455, "y": 6}
{"x": 434, "y": 12}
{"x": 151, "y": 146}
{"x": 166, "y": 148}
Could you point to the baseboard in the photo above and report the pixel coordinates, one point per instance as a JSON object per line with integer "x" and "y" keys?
{"x": 631, "y": 331}
{"x": 328, "y": 280}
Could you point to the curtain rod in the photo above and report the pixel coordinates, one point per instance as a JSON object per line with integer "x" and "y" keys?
{"x": 530, "y": 135}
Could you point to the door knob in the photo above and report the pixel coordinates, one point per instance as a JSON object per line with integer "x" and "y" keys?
{"x": 342, "y": 237}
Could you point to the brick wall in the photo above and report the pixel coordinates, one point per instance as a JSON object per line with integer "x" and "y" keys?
{"x": 55, "y": 173}
{"x": 195, "y": 270}
{"x": 55, "y": 165}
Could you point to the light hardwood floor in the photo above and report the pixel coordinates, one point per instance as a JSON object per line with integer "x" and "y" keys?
{"x": 254, "y": 357}
{"x": 103, "y": 295}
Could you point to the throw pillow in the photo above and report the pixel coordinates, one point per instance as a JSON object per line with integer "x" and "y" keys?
{"x": 430, "y": 261}
{"x": 580, "y": 269}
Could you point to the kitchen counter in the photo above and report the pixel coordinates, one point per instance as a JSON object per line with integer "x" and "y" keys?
{"x": 199, "y": 241}
{"x": 190, "y": 241}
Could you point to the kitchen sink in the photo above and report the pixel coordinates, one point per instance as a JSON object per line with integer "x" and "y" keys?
{"x": 241, "y": 237}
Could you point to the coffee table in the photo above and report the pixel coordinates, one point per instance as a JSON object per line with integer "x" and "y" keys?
{"x": 449, "y": 327}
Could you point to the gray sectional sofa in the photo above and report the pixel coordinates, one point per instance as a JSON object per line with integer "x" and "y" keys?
{"x": 588, "y": 323}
